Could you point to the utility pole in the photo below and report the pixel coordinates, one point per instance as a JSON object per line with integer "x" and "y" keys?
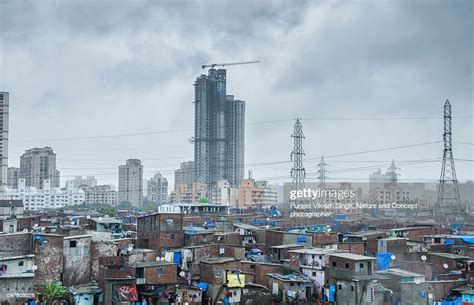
{"x": 448, "y": 189}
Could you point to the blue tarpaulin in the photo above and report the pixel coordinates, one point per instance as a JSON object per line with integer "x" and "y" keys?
{"x": 456, "y": 301}
{"x": 202, "y": 285}
{"x": 301, "y": 239}
{"x": 449, "y": 241}
{"x": 177, "y": 258}
{"x": 383, "y": 260}
{"x": 332, "y": 292}
{"x": 468, "y": 239}
{"x": 255, "y": 251}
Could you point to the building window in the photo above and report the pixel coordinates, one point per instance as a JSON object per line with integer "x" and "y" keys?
{"x": 339, "y": 287}
{"x": 347, "y": 265}
{"x": 334, "y": 264}
{"x": 72, "y": 244}
{"x": 352, "y": 288}
{"x": 361, "y": 265}
{"x": 20, "y": 263}
{"x": 160, "y": 271}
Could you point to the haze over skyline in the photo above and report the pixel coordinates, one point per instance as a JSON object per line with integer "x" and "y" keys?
{"x": 86, "y": 68}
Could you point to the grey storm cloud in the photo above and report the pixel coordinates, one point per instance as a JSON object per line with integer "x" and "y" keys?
{"x": 88, "y": 68}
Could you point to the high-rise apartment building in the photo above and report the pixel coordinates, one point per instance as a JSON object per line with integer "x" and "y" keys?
{"x": 37, "y": 165}
{"x": 4, "y": 110}
{"x": 184, "y": 175}
{"x": 130, "y": 188}
{"x": 157, "y": 189}
{"x": 219, "y": 127}
{"x": 13, "y": 176}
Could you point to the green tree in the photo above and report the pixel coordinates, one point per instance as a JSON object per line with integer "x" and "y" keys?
{"x": 52, "y": 291}
{"x": 108, "y": 210}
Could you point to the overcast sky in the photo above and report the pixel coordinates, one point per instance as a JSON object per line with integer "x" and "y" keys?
{"x": 93, "y": 68}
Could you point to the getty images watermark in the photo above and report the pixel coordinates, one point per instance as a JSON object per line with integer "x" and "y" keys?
{"x": 309, "y": 203}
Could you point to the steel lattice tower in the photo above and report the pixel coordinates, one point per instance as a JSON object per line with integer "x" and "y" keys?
{"x": 322, "y": 173}
{"x": 298, "y": 172}
{"x": 392, "y": 172}
{"x": 448, "y": 192}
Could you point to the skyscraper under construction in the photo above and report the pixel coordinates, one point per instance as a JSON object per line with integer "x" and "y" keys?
{"x": 219, "y": 131}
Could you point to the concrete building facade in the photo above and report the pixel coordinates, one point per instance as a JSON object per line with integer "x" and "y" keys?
{"x": 100, "y": 194}
{"x": 48, "y": 197}
{"x": 256, "y": 194}
{"x": 184, "y": 175}
{"x": 81, "y": 182}
{"x": 157, "y": 189}
{"x": 4, "y": 110}
{"x": 219, "y": 131}
{"x": 38, "y": 165}
{"x": 130, "y": 187}
{"x": 13, "y": 176}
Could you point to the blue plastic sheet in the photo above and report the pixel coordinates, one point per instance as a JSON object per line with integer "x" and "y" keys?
{"x": 301, "y": 239}
{"x": 177, "y": 258}
{"x": 469, "y": 240}
{"x": 457, "y": 301}
{"x": 383, "y": 260}
{"x": 332, "y": 292}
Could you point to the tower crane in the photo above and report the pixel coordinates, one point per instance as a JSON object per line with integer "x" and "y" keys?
{"x": 231, "y": 64}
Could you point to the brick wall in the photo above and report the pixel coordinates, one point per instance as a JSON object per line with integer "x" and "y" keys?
{"x": 16, "y": 244}
{"x": 49, "y": 259}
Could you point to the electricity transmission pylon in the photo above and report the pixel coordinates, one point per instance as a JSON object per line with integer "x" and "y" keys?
{"x": 297, "y": 172}
{"x": 448, "y": 189}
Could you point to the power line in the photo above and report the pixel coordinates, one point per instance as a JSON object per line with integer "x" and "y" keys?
{"x": 247, "y": 124}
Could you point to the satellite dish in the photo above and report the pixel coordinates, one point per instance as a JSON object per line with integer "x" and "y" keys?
{"x": 364, "y": 238}
{"x": 34, "y": 267}
{"x": 25, "y": 230}
{"x": 100, "y": 218}
{"x": 417, "y": 281}
{"x": 445, "y": 266}
{"x": 329, "y": 229}
{"x": 72, "y": 222}
{"x": 35, "y": 225}
{"x": 393, "y": 257}
{"x": 182, "y": 274}
{"x": 423, "y": 258}
{"x": 162, "y": 259}
{"x": 88, "y": 216}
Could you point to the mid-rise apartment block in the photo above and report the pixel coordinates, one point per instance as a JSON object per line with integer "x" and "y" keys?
{"x": 256, "y": 194}
{"x": 100, "y": 194}
{"x": 47, "y": 197}
{"x": 82, "y": 182}
{"x": 157, "y": 189}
